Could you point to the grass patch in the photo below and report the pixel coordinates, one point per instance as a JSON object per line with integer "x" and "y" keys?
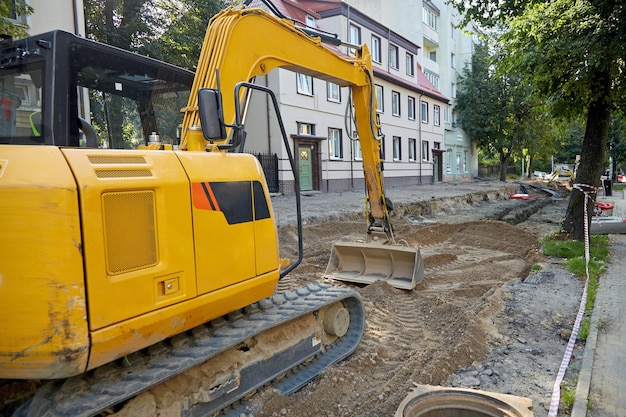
{"x": 583, "y": 332}
{"x": 568, "y": 394}
{"x": 574, "y": 252}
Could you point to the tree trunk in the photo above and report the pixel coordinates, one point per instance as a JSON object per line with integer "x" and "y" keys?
{"x": 591, "y": 161}
{"x": 504, "y": 164}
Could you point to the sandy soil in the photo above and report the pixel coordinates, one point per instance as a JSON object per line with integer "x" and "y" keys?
{"x": 481, "y": 318}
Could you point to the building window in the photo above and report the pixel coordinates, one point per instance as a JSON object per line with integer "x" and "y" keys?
{"x": 333, "y": 92}
{"x": 12, "y": 13}
{"x": 424, "y": 112}
{"x": 425, "y": 151}
{"x": 449, "y": 161}
{"x": 358, "y": 156}
{"x": 306, "y": 129}
{"x": 310, "y": 21}
{"x": 452, "y": 31}
{"x": 412, "y": 149}
{"x": 433, "y": 56}
{"x": 395, "y": 103}
{"x": 397, "y": 148}
{"x": 433, "y": 78}
{"x": 335, "y": 144}
{"x": 393, "y": 57}
{"x": 436, "y": 115}
{"x": 410, "y": 107}
{"x": 376, "y": 55}
{"x": 382, "y": 148}
{"x": 465, "y": 159}
{"x": 452, "y": 60}
{"x": 446, "y": 114}
{"x": 453, "y": 89}
{"x": 304, "y": 84}
{"x": 355, "y": 37}
{"x": 430, "y": 18}
{"x": 410, "y": 65}
{"x": 380, "y": 98}
{"x": 458, "y": 163}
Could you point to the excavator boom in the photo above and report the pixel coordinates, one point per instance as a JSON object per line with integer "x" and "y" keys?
{"x": 284, "y": 45}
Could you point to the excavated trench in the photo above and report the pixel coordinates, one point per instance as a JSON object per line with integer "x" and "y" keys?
{"x": 493, "y": 206}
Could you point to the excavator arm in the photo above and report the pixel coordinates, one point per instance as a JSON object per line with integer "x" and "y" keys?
{"x": 242, "y": 43}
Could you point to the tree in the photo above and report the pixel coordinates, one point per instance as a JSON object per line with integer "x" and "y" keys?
{"x": 497, "y": 111}
{"x": 127, "y": 24}
{"x": 10, "y": 10}
{"x": 573, "y": 52}
{"x": 171, "y": 31}
{"x": 181, "y": 42}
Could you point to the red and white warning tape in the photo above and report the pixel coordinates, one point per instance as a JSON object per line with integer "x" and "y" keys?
{"x": 556, "y": 391}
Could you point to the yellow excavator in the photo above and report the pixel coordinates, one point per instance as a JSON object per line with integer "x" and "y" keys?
{"x": 139, "y": 253}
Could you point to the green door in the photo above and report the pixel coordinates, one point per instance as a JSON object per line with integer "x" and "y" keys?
{"x": 306, "y": 168}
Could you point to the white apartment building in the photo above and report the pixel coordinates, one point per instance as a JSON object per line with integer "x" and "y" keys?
{"x": 410, "y": 108}
{"x": 50, "y": 15}
{"x": 413, "y": 81}
{"x": 444, "y": 51}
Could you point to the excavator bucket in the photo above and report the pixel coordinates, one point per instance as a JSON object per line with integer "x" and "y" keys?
{"x": 401, "y": 266}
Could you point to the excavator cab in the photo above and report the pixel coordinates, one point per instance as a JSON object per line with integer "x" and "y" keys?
{"x": 58, "y": 89}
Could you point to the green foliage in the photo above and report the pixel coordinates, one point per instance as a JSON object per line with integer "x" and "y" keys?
{"x": 568, "y": 394}
{"x": 499, "y": 112}
{"x": 617, "y": 139}
{"x": 598, "y": 248}
{"x": 585, "y": 325}
{"x": 562, "y": 45}
{"x": 569, "y": 144}
{"x": 181, "y": 42}
{"x": 572, "y": 53}
{"x": 166, "y": 30}
{"x": 574, "y": 252}
{"x": 127, "y": 24}
{"x": 169, "y": 31}
{"x": 10, "y": 11}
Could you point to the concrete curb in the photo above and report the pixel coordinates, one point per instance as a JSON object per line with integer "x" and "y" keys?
{"x": 581, "y": 398}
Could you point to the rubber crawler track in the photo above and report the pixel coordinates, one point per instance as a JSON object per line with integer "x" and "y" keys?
{"x": 90, "y": 393}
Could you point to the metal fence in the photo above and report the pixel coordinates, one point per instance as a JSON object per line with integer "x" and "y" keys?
{"x": 487, "y": 171}
{"x": 269, "y": 163}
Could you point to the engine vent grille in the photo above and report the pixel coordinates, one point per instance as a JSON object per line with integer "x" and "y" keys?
{"x": 123, "y": 173}
{"x": 116, "y": 159}
{"x": 130, "y": 230}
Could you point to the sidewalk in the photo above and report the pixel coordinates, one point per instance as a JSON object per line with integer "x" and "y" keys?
{"x": 602, "y": 378}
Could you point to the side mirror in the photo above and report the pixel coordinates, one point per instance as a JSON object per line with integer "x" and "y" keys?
{"x": 211, "y": 114}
